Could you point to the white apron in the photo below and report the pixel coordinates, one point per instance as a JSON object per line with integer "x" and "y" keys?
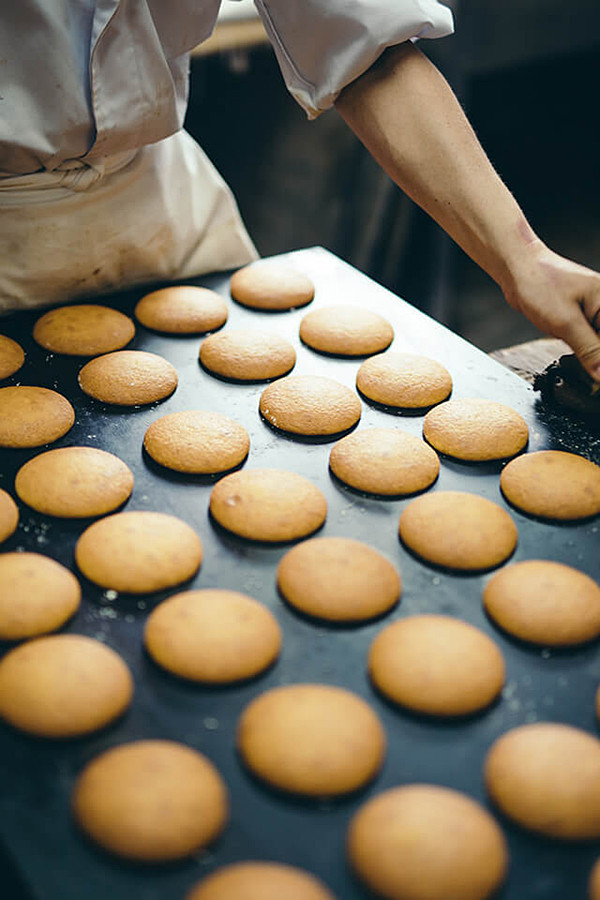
{"x": 161, "y": 212}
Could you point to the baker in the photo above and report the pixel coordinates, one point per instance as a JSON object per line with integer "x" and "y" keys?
{"x": 101, "y": 188}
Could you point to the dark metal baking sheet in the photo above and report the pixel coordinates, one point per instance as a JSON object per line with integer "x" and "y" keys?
{"x": 36, "y": 776}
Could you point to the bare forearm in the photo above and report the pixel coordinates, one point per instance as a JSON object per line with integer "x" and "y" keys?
{"x": 407, "y": 116}
{"x": 411, "y": 122}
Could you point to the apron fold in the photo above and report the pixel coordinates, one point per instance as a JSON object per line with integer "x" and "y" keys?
{"x": 159, "y": 213}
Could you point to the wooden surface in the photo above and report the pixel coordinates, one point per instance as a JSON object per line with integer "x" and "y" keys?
{"x": 233, "y": 35}
{"x": 528, "y": 359}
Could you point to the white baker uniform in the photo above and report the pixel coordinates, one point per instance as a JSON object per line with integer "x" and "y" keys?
{"x": 100, "y": 187}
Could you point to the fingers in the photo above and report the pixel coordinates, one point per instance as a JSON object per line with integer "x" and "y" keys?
{"x": 585, "y": 343}
{"x": 580, "y": 314}
{"x": 562, "y": 298}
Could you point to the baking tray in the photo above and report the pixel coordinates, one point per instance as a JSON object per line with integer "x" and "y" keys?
{"x": 36, "y": 776}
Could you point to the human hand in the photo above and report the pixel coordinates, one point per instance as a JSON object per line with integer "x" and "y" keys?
{"x": 407, "y": 116}
{"x": 562, "y": 299}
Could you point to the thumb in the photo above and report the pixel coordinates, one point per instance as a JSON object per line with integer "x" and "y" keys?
{"x": 585, "y": 343}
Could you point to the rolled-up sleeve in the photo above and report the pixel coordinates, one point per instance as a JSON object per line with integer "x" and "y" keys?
{"x": 323, "y": 45}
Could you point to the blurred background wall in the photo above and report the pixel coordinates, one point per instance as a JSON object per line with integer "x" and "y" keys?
{"x": 527, "y": 73}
